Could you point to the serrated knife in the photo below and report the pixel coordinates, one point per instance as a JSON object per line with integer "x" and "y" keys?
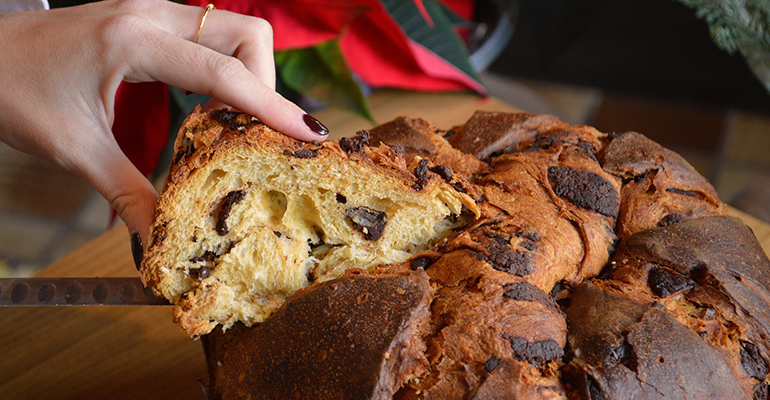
{"x": 76, "y": 292}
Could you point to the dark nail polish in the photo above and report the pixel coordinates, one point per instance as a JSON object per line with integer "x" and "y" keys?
{"x": 136, "y": 249}
{"x": 315, "y": 125}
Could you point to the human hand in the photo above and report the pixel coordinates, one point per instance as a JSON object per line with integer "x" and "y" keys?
{"x": 61, "y": 68}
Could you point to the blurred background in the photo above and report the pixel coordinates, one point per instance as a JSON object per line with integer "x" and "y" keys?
{"x": 650, "y": 66}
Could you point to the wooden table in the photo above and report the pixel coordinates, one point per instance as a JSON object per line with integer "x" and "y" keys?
{"x": 137, "y": 352}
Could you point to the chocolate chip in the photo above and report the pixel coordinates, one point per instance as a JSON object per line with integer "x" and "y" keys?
{"x": 421, "y": 173}
{"x": 303, "y": 152}
{"x": 231, "y": 199}
{"x": 752, "y": 362}
{"x": 584, "y": 189}
{"x": 444, "y": 172}
{"x": 491, "y": 364}
{"x": 204, "y": 273}
{"x": 355, "y": 144}
{"x": 664, "y": 282}
{"x": 367, "y": 221}
{"x": 535, "y": 352}
{"x": 341, "y": 199}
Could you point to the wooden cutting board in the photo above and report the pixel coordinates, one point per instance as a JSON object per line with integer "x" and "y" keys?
{"x": 137, "y": 352}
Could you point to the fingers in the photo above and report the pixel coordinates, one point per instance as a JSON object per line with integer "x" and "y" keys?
{"x": 233, "y": 63}
{"x": 184, "y": 64}
{"x": 129, "y": 193}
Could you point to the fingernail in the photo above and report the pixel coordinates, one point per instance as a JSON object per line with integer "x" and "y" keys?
{"x": 315, "y": 125}
{"x": 136, "y": 249}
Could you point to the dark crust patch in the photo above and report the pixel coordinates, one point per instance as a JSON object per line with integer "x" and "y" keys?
{"x": 535, "y": 352}
{"x": 752, "y": 362}
{"x": 231, "y": 199}
{"x": 355, "y": 144}
{"x": 664, "y": 282}
{"x": 421, "y": 173}
{"x": 690, "y": 193}
{"x": 303, "y": 152}
{"x": 368, "y": 221}
{"x": 584, "y": 189}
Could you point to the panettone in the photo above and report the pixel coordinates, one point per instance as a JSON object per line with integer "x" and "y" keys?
{"x": 522, "y": 258}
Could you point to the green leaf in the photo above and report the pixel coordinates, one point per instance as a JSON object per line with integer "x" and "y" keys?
{"x": 440, "y": 38}
{"x": 322, "y": 73}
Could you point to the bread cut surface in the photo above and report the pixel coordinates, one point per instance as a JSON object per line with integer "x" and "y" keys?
{"x": 248, "y": 216}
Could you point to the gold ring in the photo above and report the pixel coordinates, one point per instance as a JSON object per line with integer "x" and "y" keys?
{"x": 203, "y": 19}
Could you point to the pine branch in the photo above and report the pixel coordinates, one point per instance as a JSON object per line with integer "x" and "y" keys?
{"x": 741, "y": 26}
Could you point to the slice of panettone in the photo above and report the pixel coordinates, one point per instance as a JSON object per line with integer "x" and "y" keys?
{"x": 248, "y": 216}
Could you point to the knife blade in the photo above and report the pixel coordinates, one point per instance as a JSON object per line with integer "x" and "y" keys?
{"x": 76, "y": 292}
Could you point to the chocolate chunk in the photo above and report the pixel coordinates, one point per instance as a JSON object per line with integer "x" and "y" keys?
{"x": 421, "y": 173}
{"x": 535, "y": 352}
{"x": 231, "y": 199}
{"x": 525, "y": 291}
{"x": 186, "y": 148}
{"x": 491, "y": 364}
{"x": 458, "y": 187}
{"x": 532, "y": 236}
{"x": 355, "y": 144}
{"x": 690, "y": 193}
{"x": 752, "y": 362}
{"x": 665, "y": 282}
{"x": 234, "y": 120}
{"x": 502, "y": 258}
{"x": 420, "y": 262}
{"x": 206, "y": 257}
{"x": 303, "y": 152}
{"x": 585, "y": 189}
{"x": 671, "y": 219}
{"x": 444, "y": 172}
{"x": 368, "y": 221}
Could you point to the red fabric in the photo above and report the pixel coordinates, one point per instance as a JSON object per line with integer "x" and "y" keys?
{"x": 463, "y": 8}
{"x": 142, "y": 122}
{"x": 374, "y": 45}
